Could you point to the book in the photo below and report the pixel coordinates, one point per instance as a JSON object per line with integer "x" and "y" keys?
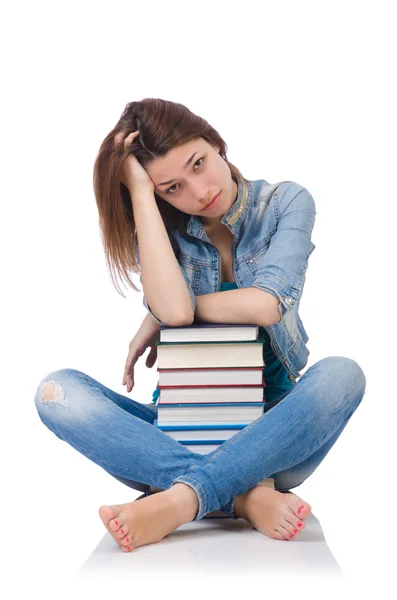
{"x": 207, "y": 395}
{"x": 211, "y": 354}
{"x": 217, "y": 434}
{"x": 235, "y": 376}
{"x": 210, "y": 332}
{"x": 183, "y": 414}
{"x": 211, "y": 385}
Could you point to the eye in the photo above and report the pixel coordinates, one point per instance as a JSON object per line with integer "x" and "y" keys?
{"x": 169, "y": 189}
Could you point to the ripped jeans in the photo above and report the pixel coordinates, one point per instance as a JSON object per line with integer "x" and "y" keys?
{"x": 286, "y": 443}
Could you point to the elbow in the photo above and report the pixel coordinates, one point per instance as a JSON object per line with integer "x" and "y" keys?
{"x": 273, "y": 313}
{"x": 180, "y": 318}
{"x": 179, "y": 321}
{"x": 267, "y": 306}
{"x": 277, "y": 317}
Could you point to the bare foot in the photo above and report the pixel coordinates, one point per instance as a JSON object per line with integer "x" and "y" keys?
{"x": 277, "y": 515}
{"x": 150, "y": 519}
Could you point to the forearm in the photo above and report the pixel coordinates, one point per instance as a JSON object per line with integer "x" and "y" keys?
{"x": 148, "y": 321}
{"x": 163, "y": 284}
{"x": 245, "y": 305}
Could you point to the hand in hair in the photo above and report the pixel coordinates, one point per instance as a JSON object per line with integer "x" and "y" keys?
{"x": 133, "y": 175}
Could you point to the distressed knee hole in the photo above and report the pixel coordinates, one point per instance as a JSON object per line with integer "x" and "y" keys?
{"x": 52, "y": 391}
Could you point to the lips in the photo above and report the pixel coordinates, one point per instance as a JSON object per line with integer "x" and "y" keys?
{"x": 212, "y": 201}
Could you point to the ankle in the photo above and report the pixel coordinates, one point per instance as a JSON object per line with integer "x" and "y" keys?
{"x": 238, "y": 507}
{"x": 240, "y": 502}
{"x": 186, "y": 499}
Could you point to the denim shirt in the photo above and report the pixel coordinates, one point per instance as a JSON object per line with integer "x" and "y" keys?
{"x": 272, "y": 226}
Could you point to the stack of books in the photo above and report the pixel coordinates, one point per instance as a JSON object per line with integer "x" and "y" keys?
{"x": 210, "y": 384}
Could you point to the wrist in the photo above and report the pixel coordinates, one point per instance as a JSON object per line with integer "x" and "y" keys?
{"x": 140, "y": 192}
{"x": 152, "y": 321}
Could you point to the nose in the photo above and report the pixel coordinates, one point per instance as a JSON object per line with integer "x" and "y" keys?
{"x": 204, "y": 198}
{"x": 200, "y": 193}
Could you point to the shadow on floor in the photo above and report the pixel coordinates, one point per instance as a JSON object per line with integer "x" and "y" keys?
{"x": 217, "y": 546}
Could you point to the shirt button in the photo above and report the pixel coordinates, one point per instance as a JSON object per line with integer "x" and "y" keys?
{"x": 289, "y": 300}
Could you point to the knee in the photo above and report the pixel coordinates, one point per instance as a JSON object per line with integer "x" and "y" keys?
{"x": 350, "y": 373}
{"x": 346, "y": 375}
{"x": 51, "y": 389}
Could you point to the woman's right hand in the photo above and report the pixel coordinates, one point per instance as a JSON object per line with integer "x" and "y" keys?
{"x": 146, "y": 337}
{"x": 133, "y": 174}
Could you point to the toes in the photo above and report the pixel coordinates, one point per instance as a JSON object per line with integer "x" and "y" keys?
{"x": 293, "y": 525}
{"x": 115, "y": 523}
{"x": 304, "y": 510}
{"x": 123, "y": 532}
{"x": 298, "y": 527}
{"x": 109, "y": 516}
{"x": 126, "y": 540}
{"x": 277, "y": 535}
{"x": 289, "y": 528}
{"x": 131, "y": 545}
{"x": 299, "y": 507}
{"x": 292, "y": 535}
{"x": 284, "y": 532}
{"x": 106, "y": 514}
{"x": 113, "y": 536}
{"x": 294, "y": 522}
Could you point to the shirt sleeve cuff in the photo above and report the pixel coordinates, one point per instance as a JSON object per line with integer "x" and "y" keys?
{"x": 282, "y": 291}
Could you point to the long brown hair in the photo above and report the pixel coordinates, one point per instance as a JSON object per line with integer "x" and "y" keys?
{"x": 163, "y": 125}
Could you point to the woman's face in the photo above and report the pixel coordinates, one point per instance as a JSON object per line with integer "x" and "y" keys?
{"x": 191, "y": 187}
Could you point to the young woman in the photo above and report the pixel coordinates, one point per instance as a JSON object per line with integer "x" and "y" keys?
{"x": 212, "y": 246}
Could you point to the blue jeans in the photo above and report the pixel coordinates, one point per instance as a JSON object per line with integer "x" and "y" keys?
{"x": 287, "y": 442}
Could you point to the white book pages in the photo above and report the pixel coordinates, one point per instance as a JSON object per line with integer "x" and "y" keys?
{"x": 226, "y": 394}
{"x": 211, "y": 377}
{"x": 210, "y": 334}
{"x": 209, "y": 355}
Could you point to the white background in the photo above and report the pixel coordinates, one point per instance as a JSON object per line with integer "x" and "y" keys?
{"x": 300, "y": 91}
